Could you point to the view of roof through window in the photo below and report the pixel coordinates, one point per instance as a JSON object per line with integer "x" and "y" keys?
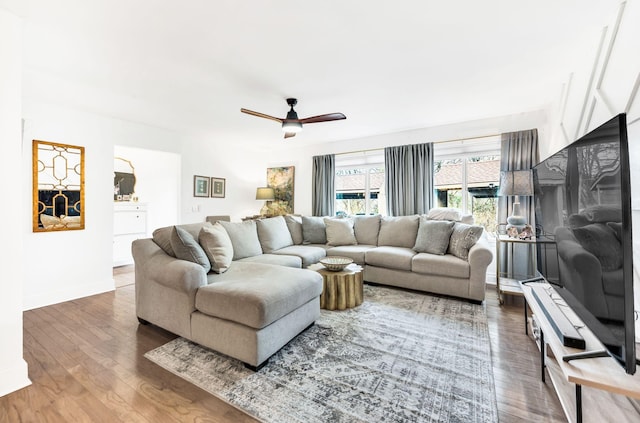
{"x": 466, "y": 176}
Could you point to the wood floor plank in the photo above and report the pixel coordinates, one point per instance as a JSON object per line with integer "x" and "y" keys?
{"x": 86, "y": 362}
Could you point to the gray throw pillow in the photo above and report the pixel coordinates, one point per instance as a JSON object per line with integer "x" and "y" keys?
{"x": 216, "y": 244}
{"x": 294, "y": 223}
{"x": 463, "y": 237}
{"x": 186, "y": 247}
{"x": 398, "y": 231}
{"x": 273, "y": 234}
{"x": 339, "y": 232}
{"x": 433, "y": 236}
{"x": 600, "y": 240}
{"x": 244, "y": 238}
{"x": 366, "y": 229}
{"x": 313, "y": 230}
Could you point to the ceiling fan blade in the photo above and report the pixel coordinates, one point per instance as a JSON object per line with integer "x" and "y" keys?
{"x": 323, "y": 118}
{"x": 262, "y": 115}
{"x": 289, "y": 134}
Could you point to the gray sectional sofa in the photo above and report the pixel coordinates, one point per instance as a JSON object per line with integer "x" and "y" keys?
{"x": 241, "y": 288}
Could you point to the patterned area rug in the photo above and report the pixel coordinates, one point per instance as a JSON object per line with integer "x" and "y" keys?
{"x": 398, "y": 357}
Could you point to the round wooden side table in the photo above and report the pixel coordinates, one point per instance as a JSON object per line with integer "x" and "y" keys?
{"x": 341, "y": 290}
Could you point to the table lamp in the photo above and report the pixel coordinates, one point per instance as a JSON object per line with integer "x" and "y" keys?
{"x": 516, "y": 183}
{"x": 267, "y": 194}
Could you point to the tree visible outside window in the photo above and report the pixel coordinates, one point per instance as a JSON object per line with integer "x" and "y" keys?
{"x": 359, "y": 190}
{"x": 470, "y": 184}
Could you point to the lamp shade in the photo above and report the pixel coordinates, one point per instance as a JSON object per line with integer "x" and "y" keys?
{"x": 516, "y": 182}
{"x": 265, "y": 194}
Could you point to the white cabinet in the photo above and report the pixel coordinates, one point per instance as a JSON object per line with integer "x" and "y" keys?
{"x": 129, "y": 224}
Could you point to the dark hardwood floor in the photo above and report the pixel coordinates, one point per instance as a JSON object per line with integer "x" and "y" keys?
{"x": 86, "y": 363}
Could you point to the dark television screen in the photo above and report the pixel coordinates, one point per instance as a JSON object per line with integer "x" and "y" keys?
{"x": 583, "y": 201}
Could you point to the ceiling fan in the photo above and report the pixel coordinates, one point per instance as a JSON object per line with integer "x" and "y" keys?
{"x": 291, "y": 124}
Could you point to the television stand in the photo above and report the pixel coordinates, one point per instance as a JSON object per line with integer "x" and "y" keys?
{"x": 596, "y": 388}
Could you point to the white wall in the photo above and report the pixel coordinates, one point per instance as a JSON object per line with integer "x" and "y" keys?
{"x": 301, "y": 157}
{"x": 606, "y": 84}
{"x": 244, "y": 170}
{"x": 157, "y": 183}
{"x": 72, "y": 264}
{"x": 13, "y": 368}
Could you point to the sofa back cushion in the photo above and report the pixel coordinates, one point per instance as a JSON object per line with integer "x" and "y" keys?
{"x": 294, "y": 223}
{"x": 433, "y": 236}
{"x": 366, "y": 229}
{"x": 339, "y": 231}
{"x": 244, "y": 238}
{"x": 186, "y": 247}
{"x": 217, "y": 245}
{"x": 400, "y": 231}
{"x": 313, "y": 230}
{"x": 273, "y": 234}
{"x": 463, "y": 237}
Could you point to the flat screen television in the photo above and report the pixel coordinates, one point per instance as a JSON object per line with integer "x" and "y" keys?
{"x": 582, "y": 197}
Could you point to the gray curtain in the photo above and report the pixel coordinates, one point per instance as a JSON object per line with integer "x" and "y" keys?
{"x": 324, "y": 192}
{"x": 519, "y": 151}
{"x": 409, "y": 179}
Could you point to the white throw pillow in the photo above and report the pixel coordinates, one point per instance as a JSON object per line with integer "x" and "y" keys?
{"x": 339, "y": 232}
{"x": 445, "y": 213}
{"x": 217, "y": 245}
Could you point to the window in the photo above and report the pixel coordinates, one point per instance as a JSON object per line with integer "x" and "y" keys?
{"x": 360, "y": 183}
{"x": 468, "y": 179}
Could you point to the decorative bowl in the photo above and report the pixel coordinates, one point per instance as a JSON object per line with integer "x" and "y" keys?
{"x": 335, "y": 263}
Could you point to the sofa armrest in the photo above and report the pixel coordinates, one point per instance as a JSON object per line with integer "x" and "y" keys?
{"x": 480, "y": 257}
{"x": 152, "y": 263}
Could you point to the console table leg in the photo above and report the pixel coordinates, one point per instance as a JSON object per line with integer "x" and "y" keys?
{"x": 579, "y": 403}
{"x": 542, "y": 356}
{"x": 526, "y": 326}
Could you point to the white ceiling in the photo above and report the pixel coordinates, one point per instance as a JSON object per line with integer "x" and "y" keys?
{"x": 389, "y": 66}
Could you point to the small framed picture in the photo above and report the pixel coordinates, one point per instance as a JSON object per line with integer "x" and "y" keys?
{"x": 218, "y": 187}
{"x": 200, "y": 186}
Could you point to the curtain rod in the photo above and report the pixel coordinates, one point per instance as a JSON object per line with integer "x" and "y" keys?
{"x": 434, "y": 142}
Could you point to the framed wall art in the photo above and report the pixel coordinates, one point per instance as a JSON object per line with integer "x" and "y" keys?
{"x": 281, "y": 179}
{"x": 218, "y": 187}
{"x": 58, "y": 186}
{"x": 200, "y": 186}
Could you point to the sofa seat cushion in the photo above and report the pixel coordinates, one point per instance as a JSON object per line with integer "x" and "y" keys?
{"x": 390, "y": 257}
{"x": 278, "y": 259}
{"x": 446, "y": 265}
{"x": 354, "y": 252}
{"x": 309, "y": 254}
{"x": 257, "y": 295}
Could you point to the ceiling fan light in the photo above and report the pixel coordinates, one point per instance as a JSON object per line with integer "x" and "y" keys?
{"x": 291, "y": 126}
